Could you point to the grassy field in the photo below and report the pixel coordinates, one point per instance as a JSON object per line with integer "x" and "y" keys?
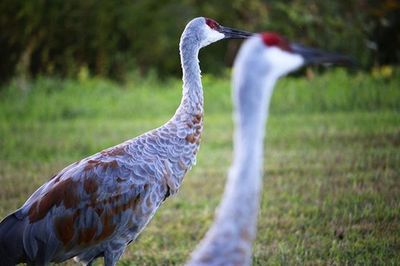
{"x": 331, "y": 192}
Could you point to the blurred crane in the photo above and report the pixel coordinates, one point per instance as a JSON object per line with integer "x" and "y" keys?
{"x": 95, "y": 207}
{"x": 261, "y": 61}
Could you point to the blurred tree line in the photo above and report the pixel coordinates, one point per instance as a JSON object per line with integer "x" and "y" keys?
{"x": 111, "y": 38}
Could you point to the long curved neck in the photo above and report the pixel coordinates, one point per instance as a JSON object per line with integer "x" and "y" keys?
{"x": 251, "y": 112}
{"x": 240, "y": 203}
{"x": 192, "y": 91}
{"x": 230, "y": 238}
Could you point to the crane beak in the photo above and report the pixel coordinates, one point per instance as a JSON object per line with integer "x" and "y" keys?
{"x": 314, "y": 56}
{"x": 234, "y": 33}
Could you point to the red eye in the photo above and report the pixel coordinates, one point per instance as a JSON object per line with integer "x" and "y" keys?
{"x": 212, "y": 23}
{"x": 273, "y": 39}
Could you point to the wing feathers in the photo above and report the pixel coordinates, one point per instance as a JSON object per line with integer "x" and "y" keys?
{"x": 89, "y": 201}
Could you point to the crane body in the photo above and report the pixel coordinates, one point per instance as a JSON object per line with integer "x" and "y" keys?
{"x": 95, "y": 207}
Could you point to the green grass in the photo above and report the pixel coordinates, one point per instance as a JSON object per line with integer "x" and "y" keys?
{"x": 331, "y": 180}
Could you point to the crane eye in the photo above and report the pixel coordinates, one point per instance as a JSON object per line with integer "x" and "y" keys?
{"x": 212, "y": 23}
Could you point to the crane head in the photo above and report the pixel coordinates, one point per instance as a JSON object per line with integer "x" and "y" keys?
{"x": 207, "y": 31}
{"x": 284, "y": 57}
{"x": 229, "y": 33}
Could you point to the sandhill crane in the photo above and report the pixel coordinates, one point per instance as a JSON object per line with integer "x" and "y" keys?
{"x": 95, "y": 207}
{"x": 261, "y": 61}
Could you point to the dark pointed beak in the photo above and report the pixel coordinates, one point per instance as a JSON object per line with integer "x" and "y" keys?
{"x": 314, "y": 56}
{"x": 234, "y": 33}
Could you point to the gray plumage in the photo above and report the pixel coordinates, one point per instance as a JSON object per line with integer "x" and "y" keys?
{"x": 261, "y": 61}
{"x": 95, "y": 207}
{"x": 229, "y": 240}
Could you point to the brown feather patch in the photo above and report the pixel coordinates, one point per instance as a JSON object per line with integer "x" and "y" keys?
{"x": 62, "y": 192}
{"x": 86, "y": 235}
{"x": 65, "y": 227}
{"x": 90, "y": 185}
{"x": 115, "y": 151}
{"x": 108, "y": 226}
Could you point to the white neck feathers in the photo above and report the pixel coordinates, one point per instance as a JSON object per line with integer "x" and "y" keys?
{"x": 229, "y": 240}
{"x": 192, "y": 98}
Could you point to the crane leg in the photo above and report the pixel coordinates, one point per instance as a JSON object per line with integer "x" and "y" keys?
{"x": 111, "y": 257}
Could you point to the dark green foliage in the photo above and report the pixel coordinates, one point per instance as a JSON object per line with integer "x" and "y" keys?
{"x": 112, "y": 38}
